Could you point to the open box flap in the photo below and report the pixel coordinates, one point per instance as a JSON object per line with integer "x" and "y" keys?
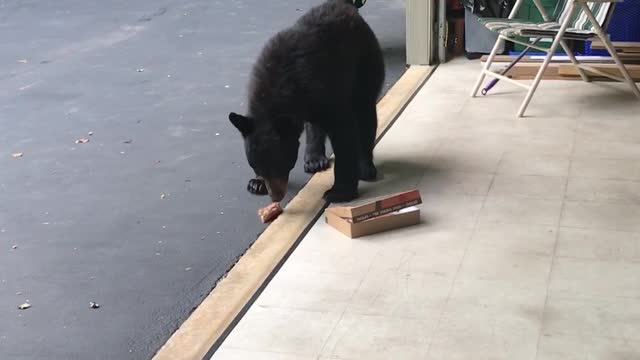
{"x": 376, "y": 207}
{"x": 397, "y": 219}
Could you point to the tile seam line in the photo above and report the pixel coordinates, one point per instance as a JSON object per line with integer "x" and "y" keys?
{"x": 464, "y": 255}
{"x": 345, "y": 311}
{"x": 555, "y": 250}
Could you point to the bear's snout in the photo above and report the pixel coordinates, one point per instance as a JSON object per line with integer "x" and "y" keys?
{"x": 277, "y": 188}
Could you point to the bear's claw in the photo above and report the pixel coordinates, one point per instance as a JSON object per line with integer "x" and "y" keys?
{"x": 316, "y": 164}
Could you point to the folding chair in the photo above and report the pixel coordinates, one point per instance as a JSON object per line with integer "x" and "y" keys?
{"x": 590, "y": 20}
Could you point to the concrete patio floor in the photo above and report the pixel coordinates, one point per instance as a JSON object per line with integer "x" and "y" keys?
{"x": 529, "y": 246}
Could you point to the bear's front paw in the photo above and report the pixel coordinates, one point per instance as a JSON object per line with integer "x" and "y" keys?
{"x": 257, "y": 187}
{"x": 339, "y": 194}
{"x": 316, "y": 164}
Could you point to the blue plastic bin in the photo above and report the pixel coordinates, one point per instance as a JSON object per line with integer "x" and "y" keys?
{"x": 624, "y": 25}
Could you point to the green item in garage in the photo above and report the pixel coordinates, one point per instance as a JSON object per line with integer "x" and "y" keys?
{"x": 530, "y": 12}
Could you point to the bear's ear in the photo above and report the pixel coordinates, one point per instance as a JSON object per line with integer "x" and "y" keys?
{"x": 242, "y": 123}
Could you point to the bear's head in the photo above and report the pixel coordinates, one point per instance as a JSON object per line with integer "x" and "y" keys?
{"x": 271, "y": 148}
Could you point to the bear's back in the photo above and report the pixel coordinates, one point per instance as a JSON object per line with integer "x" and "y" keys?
{"x": 333, "y": 14}
{"x": 310, "y": 61}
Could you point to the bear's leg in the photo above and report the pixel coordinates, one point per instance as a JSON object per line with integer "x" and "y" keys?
{"x": 368, "y": 84}
{"x": 345, "y": 142}
{"x": 367, "y": 125}
{"x": 257, "y": 186}
{"x": 315, "y": 159}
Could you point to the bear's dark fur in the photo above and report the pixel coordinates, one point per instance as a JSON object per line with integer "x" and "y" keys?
{"x": 315, "y": 159}
{"x": 327, "y": 70}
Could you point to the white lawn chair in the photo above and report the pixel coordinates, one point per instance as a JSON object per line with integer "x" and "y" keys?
{"x": 572, "y": 20}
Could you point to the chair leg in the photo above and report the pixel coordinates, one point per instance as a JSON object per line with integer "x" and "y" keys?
{"x": 607, "y": 43}
{"x": 547, "y": 60}
{"x": 575, "y": 61}
{"x": 487, "y": 66}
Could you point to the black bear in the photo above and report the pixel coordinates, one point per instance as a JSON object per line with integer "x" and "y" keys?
{"x": 326, "y": 71}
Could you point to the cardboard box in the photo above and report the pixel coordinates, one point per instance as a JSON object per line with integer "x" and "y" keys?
{"x": 376, "y": 215}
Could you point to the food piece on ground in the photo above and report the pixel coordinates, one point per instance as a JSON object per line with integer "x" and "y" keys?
{"x": 270, "y": 213}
